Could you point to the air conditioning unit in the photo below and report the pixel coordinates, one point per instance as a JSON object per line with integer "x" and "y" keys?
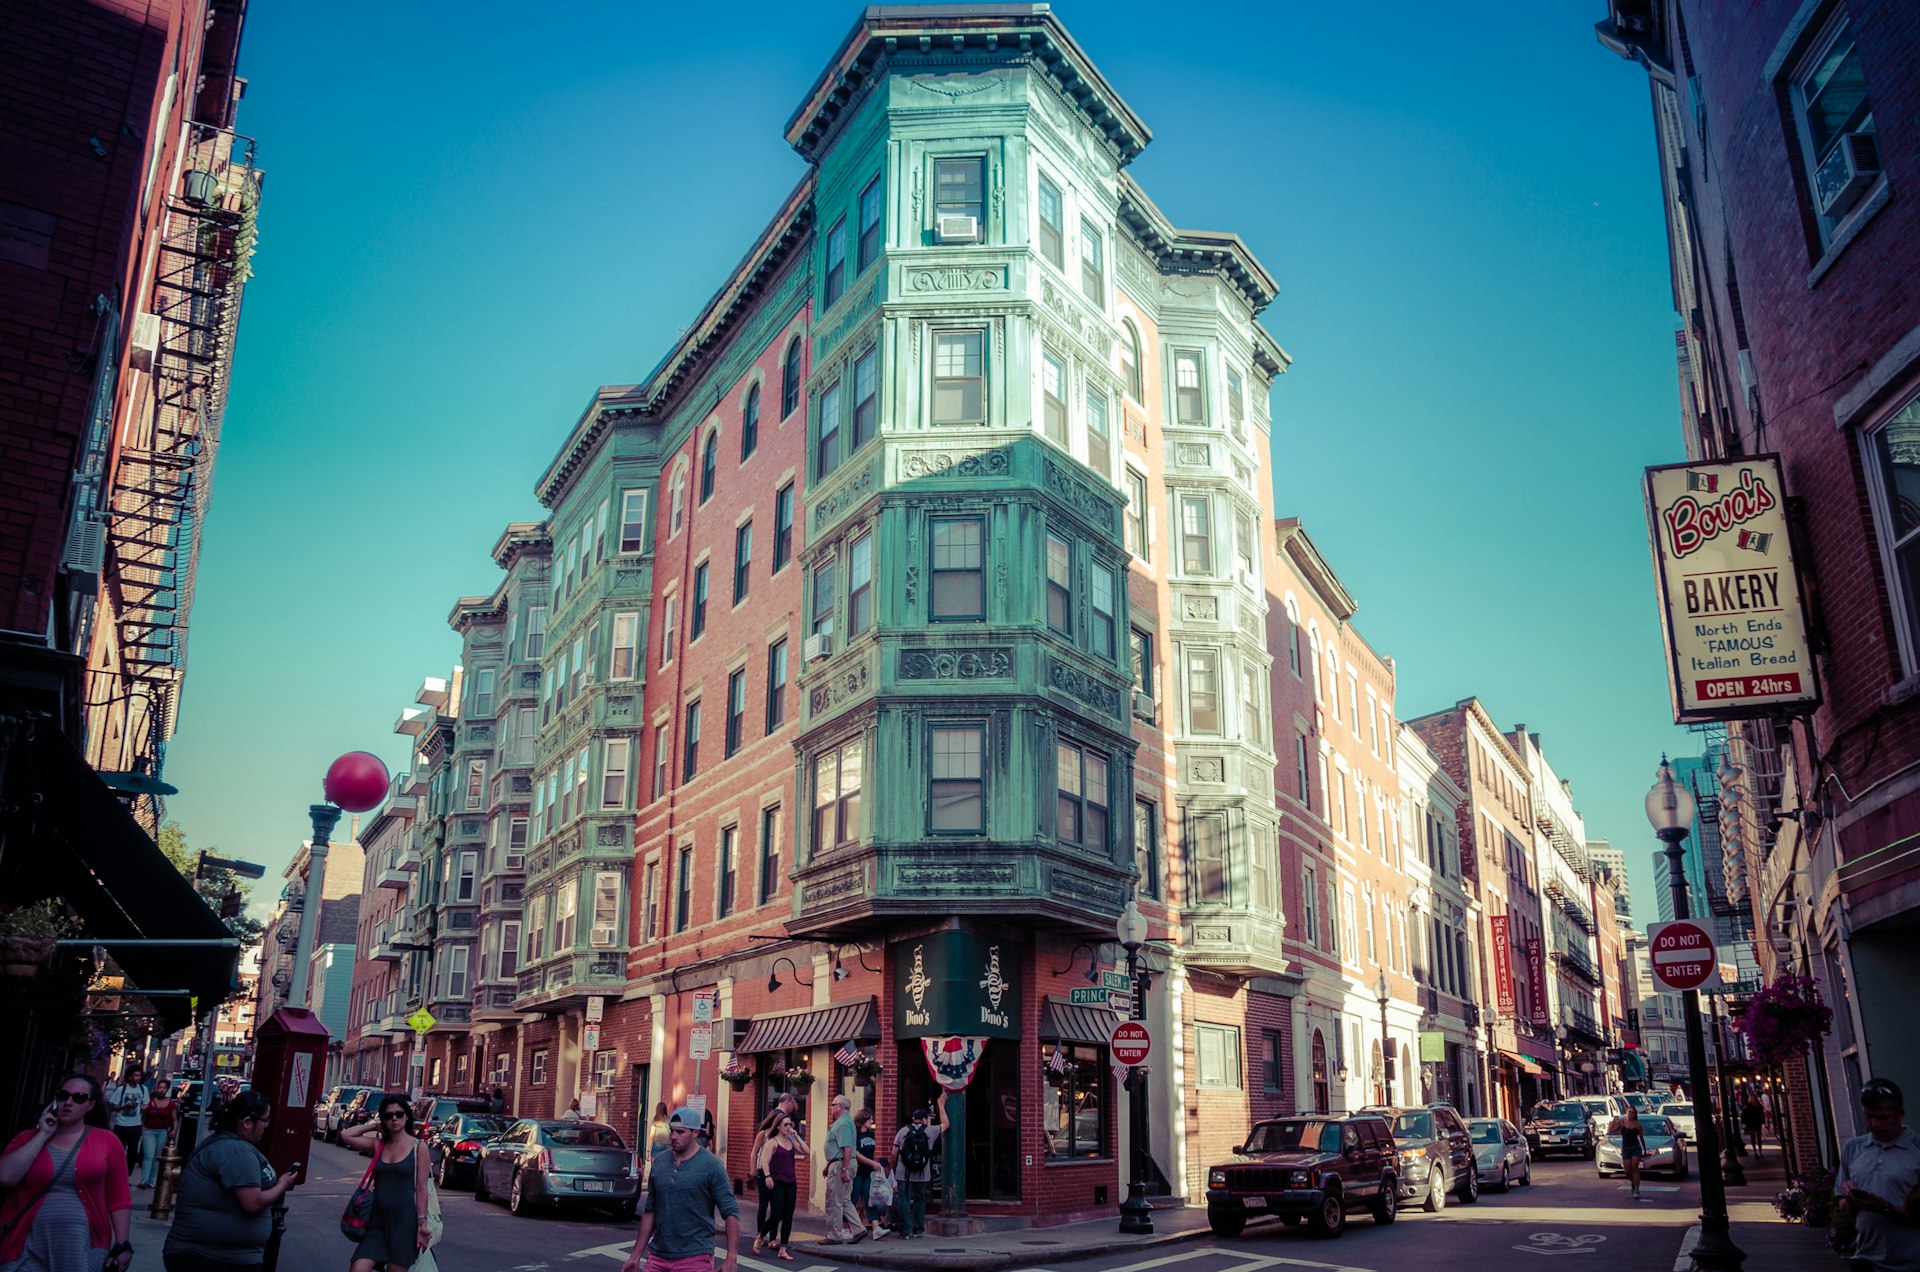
{"x": 600, "y": 938}
{"x": 86, "y": 550}
{"x": 1144, "y": 707}
{"x": 817, "y": 648}
{"x": 143, "y": 344}
{"x": 957, "y": 229}
{"x": 1846, "y": 174}
{"x": 516, "y": 861}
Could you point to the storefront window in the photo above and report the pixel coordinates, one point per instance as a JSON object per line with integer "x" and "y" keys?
{"x": 858, "y": 1088}
{"x": 1074, "y": 1114}
{"x": 769, "y": 1079}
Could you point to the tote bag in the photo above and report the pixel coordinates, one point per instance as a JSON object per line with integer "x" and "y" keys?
{"x": 359, "y": 1212}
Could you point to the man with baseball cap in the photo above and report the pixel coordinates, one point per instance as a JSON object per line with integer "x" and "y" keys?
{"x": 685, "y": 1186}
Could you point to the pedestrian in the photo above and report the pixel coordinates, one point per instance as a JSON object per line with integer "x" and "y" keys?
{"x": 1633, "y": 1145}
{"x": 221, "y": 1219}
{"x": 124, "y": 1101}
{"x": 844, "y": 1225}
{"x": 864, "y": 1164}
{"x": 781, "y": 1149}
{"x": 498, "y": 1104}
{"x": 398, "y": 1229}
{"x": 159, "y": 1123}
{"x": 762, "y": 1185}
{"x": 657, "y": 1137}
{"x": 913, "y": 1167}
{"x": 573, "y": 1113}
{"x": 684, "y": 1188}
{"x": 1755, "y": 1118}
{"x": 1878, "y": 1184}
{"x": 67, "y": 1207}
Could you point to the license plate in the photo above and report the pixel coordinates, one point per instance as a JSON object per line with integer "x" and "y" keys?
{"x": 1254, "y": 1203}
{"x": 594, "y": 1185}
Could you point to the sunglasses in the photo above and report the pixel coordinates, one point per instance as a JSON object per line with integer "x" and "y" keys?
{"x": 389, "y": 1116}
{"x": 73, "y": 1097}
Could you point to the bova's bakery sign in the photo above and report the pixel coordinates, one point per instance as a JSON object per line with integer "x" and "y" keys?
{"x": 1729, "y": 593}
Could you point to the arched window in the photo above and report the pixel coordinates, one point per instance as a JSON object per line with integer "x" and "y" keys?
{"x": 1313, "y": 647}
{"x": 709, "y": 461}
{"x": 1130, "y": 360}
{"x": 1322, "y": 1090}
{"x": 750, "y": 424}
{"x": 790, "y": 379}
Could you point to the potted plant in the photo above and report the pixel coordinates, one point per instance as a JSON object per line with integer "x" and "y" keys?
{"x": 1783, "y": 1019}
{"x": 736, "y": 1073}
{"x": 27, "y": 936}
{"x": 1808, "y": 1199}
{"x": 865, "y": 1066}
{"x": 799, "y": 1081}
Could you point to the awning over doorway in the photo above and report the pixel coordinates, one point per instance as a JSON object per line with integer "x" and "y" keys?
{"x": 1062, "y": 1021}
{"x": 1526, "y": 1064}
{"x": 813, "y": 1027}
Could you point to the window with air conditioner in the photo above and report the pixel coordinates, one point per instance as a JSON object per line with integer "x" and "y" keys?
{"x": 959, "y": 198}
{"x": 1835, "y": 121}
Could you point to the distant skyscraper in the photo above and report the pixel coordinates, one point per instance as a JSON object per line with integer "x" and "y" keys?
{"x": 1602, "y": 853}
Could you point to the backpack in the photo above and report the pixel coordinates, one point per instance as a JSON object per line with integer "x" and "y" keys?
{"x": 915, "y": 1152}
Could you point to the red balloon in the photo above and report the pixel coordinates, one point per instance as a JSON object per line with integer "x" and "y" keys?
{"x": 357, "y": 781}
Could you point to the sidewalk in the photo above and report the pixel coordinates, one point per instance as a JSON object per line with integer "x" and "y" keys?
{"x": 1002, "y": 1248}
{"x": 1770, "y": 1243}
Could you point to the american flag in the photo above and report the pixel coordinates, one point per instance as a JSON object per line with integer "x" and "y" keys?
{"x": 1058, "y": 1060}
{"x": 846, "y": 1055}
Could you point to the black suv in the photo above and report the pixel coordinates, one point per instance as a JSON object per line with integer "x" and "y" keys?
{"x": 1436, "y": 1155}
{"x": 1565, "y": 1127}
{"x": 1316, "y": 1167}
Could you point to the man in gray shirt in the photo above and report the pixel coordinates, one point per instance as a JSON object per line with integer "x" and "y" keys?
{"x": 1878, "y": 1180}
{"x": 684, "y": 1187}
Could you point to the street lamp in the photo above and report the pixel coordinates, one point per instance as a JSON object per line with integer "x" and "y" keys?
{"x": 1670, "y": 809}
{"x": 1135, "y": 1214}
{"x": 1381, "y": 992}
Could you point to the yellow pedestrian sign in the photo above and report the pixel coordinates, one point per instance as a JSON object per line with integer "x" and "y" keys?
{"x": 421, "y": 1021}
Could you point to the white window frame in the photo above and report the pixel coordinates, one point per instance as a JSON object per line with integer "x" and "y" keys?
{"x": 616, "y": 761}
{"x": 633, "y": 523}
{"x": 624, "y": 653}
{"x": 1906, "y": 612}
{"x": 1216, "y": 1055}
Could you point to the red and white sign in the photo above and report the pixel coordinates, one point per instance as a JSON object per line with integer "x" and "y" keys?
{"x": 1682, "y": 955}
{"x": 1131, "y": 1043}
{"x": 1502, "y": 964}
{"x": 1537, "y": 986}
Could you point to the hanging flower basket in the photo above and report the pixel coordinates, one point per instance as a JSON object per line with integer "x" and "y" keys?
{"x": 737, "y": 1074}
{"x": 27, "y": 937}
{"x": 799, "y": 1081}
{"x": 1783, "y": 1019}
{"x": 23, "y": 957}
{"x": 865, "y": 1066}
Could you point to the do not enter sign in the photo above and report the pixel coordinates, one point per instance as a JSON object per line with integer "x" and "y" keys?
{"x": 1131, "y": 1043}
{"x": 1682, "y": 955}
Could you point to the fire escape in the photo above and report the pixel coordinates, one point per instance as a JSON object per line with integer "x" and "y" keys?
{"x": 164, "y": 470}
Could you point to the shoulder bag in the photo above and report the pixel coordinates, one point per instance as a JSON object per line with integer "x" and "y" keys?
{"x": 359, "y": 1212}
{"x": 6, "y": 1229}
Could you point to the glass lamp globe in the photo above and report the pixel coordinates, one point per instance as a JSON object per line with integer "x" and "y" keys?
{"x": 1670, "y": 804}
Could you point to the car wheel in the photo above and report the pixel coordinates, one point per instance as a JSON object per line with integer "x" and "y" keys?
{"x": 1226, "y": 1223}
{"x": 625, "y": 1210}
{"x": 517, "y": 1199}
{"x": 1526, "y": 1176}
{"x": 1591, "y": 1151}
{"x": 480, "y": 1192}
{"x": 1329, "y": 1218}
{"x": 1470, "y": 1186}
{"x": 1386, "y": 1207}
{"x": 1436, "y": 1192}
{"x": 1505, "y": 1184}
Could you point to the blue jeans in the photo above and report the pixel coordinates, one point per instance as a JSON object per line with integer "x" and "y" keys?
{"x": 914, "y": 1205}
{"x": 152, "y": 1144}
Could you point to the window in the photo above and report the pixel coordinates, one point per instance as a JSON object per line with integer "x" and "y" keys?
{"x": 783, "y": 527}
{"x": 1207, "y": 857}
{"x": 690, "y": 743}
{"x": 1293, "y": 642}
{"x": 859, "y": 585}
{"x": 516, "y": 837}
{"x": 1302, "y": 770}
{"x": 539, "y": 1067}
{"x": 1189, "y": 388}
{"x": 669, "y": 628}
{"x": 606, "y": 1070}
{"x": 1052, "y": 239}
{"x": 959, "y": 377}
{"x": 736, "y": 710}
{"x": 1253, "y": 710}
{"x": 1347, "y": 931}
{"x": 866, "y": 399}
{"x": 959, "y": 188}
{"x": 1338, "y": 802}
{"x": 742, "y": 560}
{"x": 1272, "y": 1070}
{"x": 1236, "y": 404}
{"x": 1203, "y": 691}
{"x": 484, "y": 681}
{"x": 537, "y": 631}
{"x": 1131, "y": 361}
{"x": 821, "y": 622}
{"x": 651, "y": 903}
{"x": 836, "y": 797}
{"x": 683, "y": 889}
{"x": 626, "y": 644}
{"x": 697, "y": 617}
{"x": 1895, "y": 459}
{"x": 1100, "y": 591}
{"x": 1053, "y": 398}
{"x": 1217, "y": 1048}
{"x": 1196, "y": 536}
{"x": 677, "y": 501}
{"x": 957, "y": 568}
{"x": 1082, "y": 810}
{"x": 662, "y": 750}
{"x": 729, "y": 870}
{"x": 1146, "y": 846}
{"x": 1137, "y": 513}
{"x": 709, "y": 464}
{"x": 836, "y": 276}
{"x": 1059, "y": 585}
{"x": 826, "y": 455}
{"x": 1373, "y": 945}
{"x": 1246, "y": 545}
{"x": 769, "y": 853}
{"x": 1093, "y": 263}
{"x": 615, "y": 757}
{"x": 536, "y": 928}
{"x": 509, "y": 947}
{"x": 1310, "y": 905}
{"x": 466, "y": 878}
{"x": 750, "y": 424}
{"x": 956, "y": 792}
{"x": 566, "y": 916}
{"x": 476, "y": 784}
{"x": 1073, "y": 1101}
{"x": 776, "y": 684}
{"x": 790, "y": 377}
{"x": 1333, "y": 920}
{"x": 869, "y": 249}
{"x": 1830, "y": 102}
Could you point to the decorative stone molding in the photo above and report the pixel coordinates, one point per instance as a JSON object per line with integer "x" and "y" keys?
{"x": 1198, "y": 454}
{"x": 1219, "y": 933}
{"x": 1136, "y": 430}
{"x": 529, "y": 680}
{"x": 995, "y": 462}
{"x": 1076, "y": 683}
{"x": 956, "y": 664}
{"x": 835, "y": 505}
{"x": 610, "y": 836}
{"x": 1081, "y": 497}
{"x": 621, "y": 706}
{"x": 837, "y": 692}
{"x": 977, "y": 278}
{"x": 629, "y": 578}
{"x": 523, "y": 786}
{"x": 942, "y": 876}
{"x": 1207, "y": 768}
{"x": 842, "y": 883}
{"x": 1091, "y": 892}
{"x": 913, "y": 578}
{"x": 471, "y": 826}
{"x": 1201, "y": 609}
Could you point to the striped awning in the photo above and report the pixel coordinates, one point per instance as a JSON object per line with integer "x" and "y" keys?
{"x": 813, "y": 1027}
{"x": 1526, "y": 1064}
{"x": 1066, "y": 1022}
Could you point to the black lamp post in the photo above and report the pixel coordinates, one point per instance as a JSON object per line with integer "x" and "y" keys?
{"x": 1135, "y": 1214}
{"x": 1385, "y": 996}
{"x": 1670, "y": 809}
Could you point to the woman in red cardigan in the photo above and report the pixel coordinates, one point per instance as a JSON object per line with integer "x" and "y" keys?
{"x": 67, "y": 1204}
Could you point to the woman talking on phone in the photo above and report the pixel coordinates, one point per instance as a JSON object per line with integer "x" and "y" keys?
{"x": 398, "y": 1231}
{"x": 220, "y": 1220}
{"x": 67, "y": 1204}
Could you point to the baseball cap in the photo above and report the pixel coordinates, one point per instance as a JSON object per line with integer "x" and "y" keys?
{"x": 920, "y": 1115}
{"x": 685, "y": 1116}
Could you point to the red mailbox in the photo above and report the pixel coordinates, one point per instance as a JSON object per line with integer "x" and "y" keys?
{"x": 289, "y": 1068}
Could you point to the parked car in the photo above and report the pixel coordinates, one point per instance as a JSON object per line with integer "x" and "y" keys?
{"x": 430, "y": 1110}
{"x": 326, "y": 1114}
{"x": 357, "y": 1110}
{"x": 550, "y": 1163}
{"x": 1561, "y": 1127}
{"x": 453, "y": 1144}
{"x": 1666, "y": 1149}
{"x": 1646, "y": 1101}
{"x": 1316, "y": 1168}
{"x": 1436, "y": 1156}
{"x": 1500, "y": 1151}
{"x": 1681, "y": 1115}
{"x": 1601, "y": 1108}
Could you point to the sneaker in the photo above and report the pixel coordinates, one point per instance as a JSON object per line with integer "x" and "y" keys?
{"x": 858, "y": 1236}
{"x": 879, "y": 1233}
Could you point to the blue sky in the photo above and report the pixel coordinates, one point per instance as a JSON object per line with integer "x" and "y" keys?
{"x": 474, "y": 215}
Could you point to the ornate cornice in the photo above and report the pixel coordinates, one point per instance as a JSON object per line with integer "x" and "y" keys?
{"x": 1216, "y": 252}
{"x": 520, "y": 537}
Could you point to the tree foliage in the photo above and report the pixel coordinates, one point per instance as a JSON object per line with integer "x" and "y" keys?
{"x": 213, "y": 884}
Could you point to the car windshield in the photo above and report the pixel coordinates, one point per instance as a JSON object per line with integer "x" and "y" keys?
{"x": 485, "y": 1125}
{"x": 1677, "y": 1110}
{"x": 1484, "y": 1132}
{"x": 1413, "y": 1126}
{"x": 583, "y": 1135}
{"x": 1294, "y": 1133}
{"x": 1561, "y": 1113}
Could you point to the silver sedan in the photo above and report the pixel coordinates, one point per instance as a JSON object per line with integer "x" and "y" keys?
{"x": 1681, "y": 1115}
{"x": 1665, "y": 1150}
{"x": 1501, "y": 1152}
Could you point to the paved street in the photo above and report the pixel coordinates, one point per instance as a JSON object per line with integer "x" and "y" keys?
{"x": 1567, "y": 1212}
